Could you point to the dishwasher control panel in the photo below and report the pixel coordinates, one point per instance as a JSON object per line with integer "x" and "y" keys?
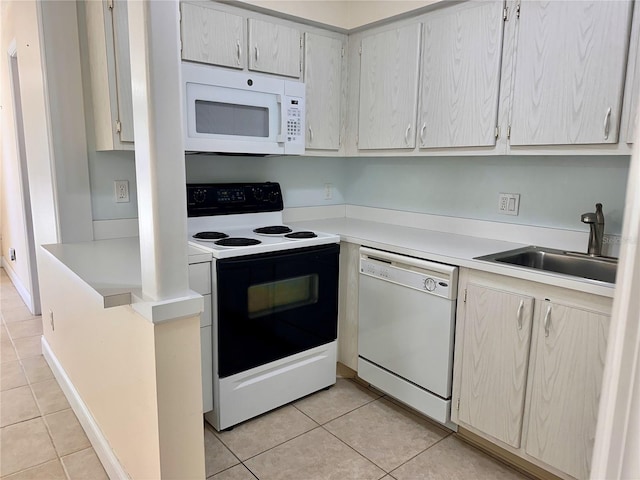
{"x": 429, "y": 277}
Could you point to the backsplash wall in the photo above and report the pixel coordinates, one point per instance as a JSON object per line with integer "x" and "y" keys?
{"x": 302, "y": 179}
{"x": 554, "y": 190}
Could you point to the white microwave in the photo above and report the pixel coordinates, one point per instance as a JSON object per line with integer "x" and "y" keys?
{"x": 239, "y": 112}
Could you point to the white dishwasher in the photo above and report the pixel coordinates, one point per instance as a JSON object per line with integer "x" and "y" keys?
{"x": 406, "y": 329}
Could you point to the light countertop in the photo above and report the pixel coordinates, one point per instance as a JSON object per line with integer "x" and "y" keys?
{"x": 111, "y": 267}
{"x": 449, "y": 248}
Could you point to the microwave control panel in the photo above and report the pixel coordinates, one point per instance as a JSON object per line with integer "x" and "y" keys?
{"x": 295, "y": 121}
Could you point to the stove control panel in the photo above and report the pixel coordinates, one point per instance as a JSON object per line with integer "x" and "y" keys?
{"x": 233, "y": 198}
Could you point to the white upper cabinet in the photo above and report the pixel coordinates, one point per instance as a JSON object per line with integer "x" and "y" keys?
{"x": 212, "y": 36}
{"x": 461, "y": 60}
{"x": 389, "y": 66}
{"x": 274, "y": 48}
{"x": 110, "y": 70}
{"x": 569, "y": 72}
{"x": 323, "y": 80}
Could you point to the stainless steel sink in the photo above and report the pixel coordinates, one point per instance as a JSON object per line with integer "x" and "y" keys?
{"x": 574, "y": 264}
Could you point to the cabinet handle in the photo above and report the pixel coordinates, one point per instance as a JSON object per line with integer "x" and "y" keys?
{"x": 607, "y": 123}
{"x": 257, "y": 54}
{"x": 310, "y": 134}
{"x": 519, "y": 314}
{"x": 238, "y": 51}
{"x": 406, "y": 134}
{"x": 547, "y": 321}
{"x": 422, "y": 130}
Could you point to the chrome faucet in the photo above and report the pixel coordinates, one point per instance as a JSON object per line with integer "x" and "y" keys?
{"x": 595, "y": 220}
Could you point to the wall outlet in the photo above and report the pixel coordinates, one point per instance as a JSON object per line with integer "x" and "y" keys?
{"x": 328, "y": 191}
{"x": 121, "y": 191}
{"x": 12, "y": 254}
{"x": 508, "y": 203}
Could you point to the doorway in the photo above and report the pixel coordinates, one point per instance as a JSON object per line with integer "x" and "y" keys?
{"x": 24, "y": 180}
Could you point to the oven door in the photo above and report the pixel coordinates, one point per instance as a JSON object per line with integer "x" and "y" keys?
{"x": 274, "y": 305}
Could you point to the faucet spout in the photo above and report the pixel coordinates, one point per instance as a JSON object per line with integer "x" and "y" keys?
{"x": 595, "y": 220}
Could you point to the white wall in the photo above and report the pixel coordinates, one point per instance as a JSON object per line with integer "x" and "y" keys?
{"x": 343, "y": 14}
{"x": 140, "y": 382}
{"x": 13, "y": 228}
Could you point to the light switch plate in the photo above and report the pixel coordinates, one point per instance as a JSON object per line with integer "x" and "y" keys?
{"x": 509, "y": 203}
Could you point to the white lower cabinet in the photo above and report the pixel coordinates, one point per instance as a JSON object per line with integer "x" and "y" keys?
{"x": 200, "y": 281}
{"x": 496, "y": 355}
{"x": 528, "y": 368}
{"x": 566, "y": 377}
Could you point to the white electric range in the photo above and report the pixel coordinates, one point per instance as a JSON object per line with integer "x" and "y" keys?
{"x": 274, "y": 300}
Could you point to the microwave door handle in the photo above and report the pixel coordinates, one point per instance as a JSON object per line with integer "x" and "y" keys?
{"x": 283, "y": 119}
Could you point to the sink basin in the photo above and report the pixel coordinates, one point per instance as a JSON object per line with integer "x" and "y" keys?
{"x": 602, "y": 269}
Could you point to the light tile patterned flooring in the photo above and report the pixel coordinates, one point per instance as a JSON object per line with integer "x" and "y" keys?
{"x": 346, "y": 432}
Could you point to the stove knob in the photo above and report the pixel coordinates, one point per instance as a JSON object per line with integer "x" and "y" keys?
{"x": 429, "y": 284}
{"x": 199, "y": 195}
{"x": 258, "y": 193}
{"x": 273, "y": 197}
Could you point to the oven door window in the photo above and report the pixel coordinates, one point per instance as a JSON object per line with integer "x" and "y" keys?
{"x": 274, "y": 305}
{"x": 280, "y": 295}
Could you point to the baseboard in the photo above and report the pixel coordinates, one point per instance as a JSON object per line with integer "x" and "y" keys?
{"x": 22, "y": 290}
{"x": 99, "y": 442}
{"x": 117, "y": 228}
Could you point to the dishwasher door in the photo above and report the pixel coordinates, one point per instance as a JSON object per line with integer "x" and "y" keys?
{"x": 407, "y": 318}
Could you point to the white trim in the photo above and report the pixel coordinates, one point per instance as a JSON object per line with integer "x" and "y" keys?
{"x": 303, "y": 214}
{"x": 615, "y": 453}
{"x": 22, "y": 290}
{"x": 99, "y": 442}
{"x": 117, "y": 228}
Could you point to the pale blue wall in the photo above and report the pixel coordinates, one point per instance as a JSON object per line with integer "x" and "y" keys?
{"x": 104, "y": 169}
{"x": 302, "y": 178}
{"x": 554, "y": 190}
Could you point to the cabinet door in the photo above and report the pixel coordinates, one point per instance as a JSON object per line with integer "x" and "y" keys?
{"x": 495, "y": 356}
{"x": 212, "y": 36}
{"x": 389, "y": 89}
{"x": 462, "y": 51}
{"x": 323, "y": 80}
{"x": 565, "y": 387}
{"x": 569, "y": 72}
{"x": 123, "y": 69}
{"x": 274, "y": 48}
{"x": 110, "y": 72}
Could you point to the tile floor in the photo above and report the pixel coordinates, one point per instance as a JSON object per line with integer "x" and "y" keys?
{"x": 346, "y": 432}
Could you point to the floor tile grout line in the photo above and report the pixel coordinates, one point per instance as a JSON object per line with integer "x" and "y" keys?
{"x": 29, "y": 384}
{"x": 275, "y": 446}
{"x": 356, "y": 451}
{"x": 422, "y": 451}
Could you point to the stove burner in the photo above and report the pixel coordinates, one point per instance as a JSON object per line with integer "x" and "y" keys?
{"x": 301, "y": 234}
{"x": 237, "y": 242}
{"x": 273, "y": 230}
{"x": 210, "y": 235}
